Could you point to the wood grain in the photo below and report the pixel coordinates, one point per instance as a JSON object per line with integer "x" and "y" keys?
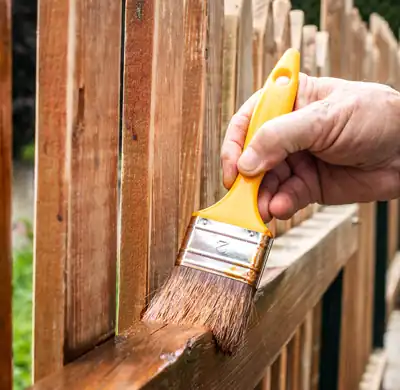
{"x": 193, "y": 104}
{"x": 51, "y": 188}
{"x": 282, "y": 36}
{"x": 152, "y": 119}
{"x": 322, "y": 54}
{"x": 237, "y": 73}
{"x": 92, "y": 161}
{"x": 316, "y": 346}
{"x": 175, "y": 358}
{"x": 264, "y": 53}
{"x": 211, "y": 167}
{"x": 294, "y": 361}
{"x": 306, "y": 351}
{"x": 278, "y": 371}
{"x": 5, "y": 197}
{"x": 332, "y": 20}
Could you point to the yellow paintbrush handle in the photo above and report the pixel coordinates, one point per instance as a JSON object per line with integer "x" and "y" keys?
{"x": 239, "y": 206}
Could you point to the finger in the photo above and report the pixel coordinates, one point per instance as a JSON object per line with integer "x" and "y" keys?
{"x": 234, "y": 139}
{"x": 284, "y": 135}
{"x": 292, "y": 195}
{"x": 268, "y": 188}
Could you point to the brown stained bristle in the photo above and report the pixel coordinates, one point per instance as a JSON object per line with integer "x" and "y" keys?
{"x": 192, "y": 297}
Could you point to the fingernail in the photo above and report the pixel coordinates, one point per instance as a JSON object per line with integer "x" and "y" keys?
{"x": 249, "y": 160}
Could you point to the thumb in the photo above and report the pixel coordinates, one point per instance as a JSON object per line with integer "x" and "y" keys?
{"x": 281, "y": 136}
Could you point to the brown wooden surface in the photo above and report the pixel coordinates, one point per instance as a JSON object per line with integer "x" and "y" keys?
{"x": 264, "y": 55}
{"x": 279, "y": 371}
{"x": 193, "y": 102}
{"x": 309, "y": 64}
{"x": 316, "y": 345}
{"x": 211, "y": 172}
{"x": 294, "y": 362}
{"x": 282, "y": 37}
{"x": 237, "y": 71}
{"x": 51, "y": 188}
{"x": 393, "y": 228}
{"x": 349, "y": 373}
{"x": 186, "y": 358}
{"x": 151, "y": 143}
{"x": 332, "y": 20}
{"x": 5, "y": 197}
{"x": 92, "y": 134}
{"x": 306, "y": 350}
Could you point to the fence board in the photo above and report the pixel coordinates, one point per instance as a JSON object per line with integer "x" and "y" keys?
{"x": 278, "y": 371}
{"x": 316, "y": 346}
{"x": 332, "y": 21}
{"x": 264, "y": 55}
{"x": 282, "y": 36}
{"x": 193, "y": 102}
{"x": 294, "y": 360}
{"x": 211, "y": 172}
{"x": 151, "y": 143}
{"x": 92, "y": 135}
{"x": 5, "y": 196}
{"x": 237, "y": 73}
{"x": 51, "y": 188}
{"x": 318, "y": 250}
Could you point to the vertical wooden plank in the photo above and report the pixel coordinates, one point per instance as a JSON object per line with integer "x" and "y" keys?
{"x": 151, "y": 142}
{"x": 332, "y": 21}
{"x": 278, "y": 371}
{"x": 296, "y": 41}
{"x": 349, "y": 339}
{"x": 309, "y": 65}
{"x": 245, "y": 52}
{"x": 393, "y": 228}
{"x": 210, "y": 176}
{"x": 282, "y": 37}
{"x": 316, "y": 346}
{"x": 51, "y": 189}
{"x": 322, "y": 53}
{"x": 370, "y": 274}
{"x": 5, "y": 197}
{"x": 264, "y": 54}
{"x": 306, "y": 333}
{"x": 293, "y": 360}
{"x": 264, "y": 50}
{"x": 92, "y": 135}
{"x": 237, "y": 74}
{"x": 193, "y": 102}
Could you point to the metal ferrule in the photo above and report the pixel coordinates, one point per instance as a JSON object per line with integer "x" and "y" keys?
{"x": 225, "y": 250}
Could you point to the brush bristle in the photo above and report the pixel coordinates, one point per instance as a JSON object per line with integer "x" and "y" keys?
{"x": 192, "y": 297}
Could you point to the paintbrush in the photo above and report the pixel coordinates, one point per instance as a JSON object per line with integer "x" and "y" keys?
{"x": 226, "y": 246}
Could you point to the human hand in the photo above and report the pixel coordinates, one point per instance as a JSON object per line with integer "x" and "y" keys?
{"x": 340, "y": 145}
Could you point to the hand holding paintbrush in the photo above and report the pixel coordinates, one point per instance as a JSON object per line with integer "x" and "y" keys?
{"x": 226, "y": 245}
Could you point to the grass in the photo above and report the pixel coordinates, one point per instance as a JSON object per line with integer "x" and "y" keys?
{"x": 22, "y": 311}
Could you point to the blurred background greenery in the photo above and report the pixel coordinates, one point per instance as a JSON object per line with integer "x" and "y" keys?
{"x": 24, "y": 71}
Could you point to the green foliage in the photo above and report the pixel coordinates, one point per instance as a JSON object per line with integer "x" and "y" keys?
{"x": 388, "y": 9}
{"x": 22, "y": 313}
{"x": 28, "y": 152}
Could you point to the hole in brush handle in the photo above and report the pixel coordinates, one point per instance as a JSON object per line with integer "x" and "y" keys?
{"x": 282, "y": 74}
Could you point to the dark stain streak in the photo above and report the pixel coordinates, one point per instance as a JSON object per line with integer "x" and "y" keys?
{"x": 80, "y": 115}
{"x": 134, "y": 137}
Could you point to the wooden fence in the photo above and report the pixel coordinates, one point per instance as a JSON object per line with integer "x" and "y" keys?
{"x": 170, "y": 77}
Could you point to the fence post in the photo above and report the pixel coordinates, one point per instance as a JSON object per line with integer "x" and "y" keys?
{"x": 5, "y": 197}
